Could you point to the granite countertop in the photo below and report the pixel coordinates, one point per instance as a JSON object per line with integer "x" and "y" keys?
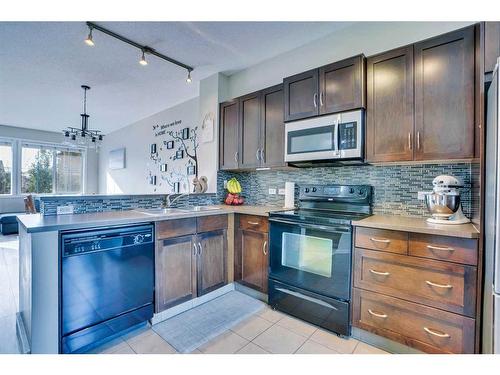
{"x": 417, "y": 225}
{"x": 40, "y": 223}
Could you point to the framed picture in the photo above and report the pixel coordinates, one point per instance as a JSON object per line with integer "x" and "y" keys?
{"x": 163, "y": 167}
{"x": 177, "y": 187}
{"x": 185, "y": 133}
{"x": 169, "y": 144}
{"x": 153, "y": 148}
{"x": 191, "y": 170}
{"x": 117, "y": 159}
{"x": 179, "y": 154}
{"x": 152, "y": 180}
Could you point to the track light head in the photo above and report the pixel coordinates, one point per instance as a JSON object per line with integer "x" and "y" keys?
{"x": 143, "y": 61}
{"x": 89, "y": 41}
{"x": 188, "y": 79}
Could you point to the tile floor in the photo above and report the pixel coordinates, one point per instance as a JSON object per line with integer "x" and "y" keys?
{"x": 266, "y": 332}
{"x": 9, "y": 293}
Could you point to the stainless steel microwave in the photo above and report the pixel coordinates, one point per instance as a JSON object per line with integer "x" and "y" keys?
{"x": 334, "y": 137}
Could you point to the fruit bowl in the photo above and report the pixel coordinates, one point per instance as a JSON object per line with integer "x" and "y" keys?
{"x": 233, "y": 197}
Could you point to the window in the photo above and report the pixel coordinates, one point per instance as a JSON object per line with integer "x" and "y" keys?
{"x": 5, "y": 168}
{"x": 51, "y": 170}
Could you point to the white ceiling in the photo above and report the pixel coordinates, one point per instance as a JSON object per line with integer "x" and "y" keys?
{"x": 43, "y": 64}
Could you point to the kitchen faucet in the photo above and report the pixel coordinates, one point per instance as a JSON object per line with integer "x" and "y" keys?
{"x": 168, "y": 201}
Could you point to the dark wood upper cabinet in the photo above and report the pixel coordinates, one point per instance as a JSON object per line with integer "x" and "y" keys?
{"x": 228, "y": 135}
{"x": 491, "y": 45}
{"x": 211, "y": 261}
{"x": 390, "y": 121}
{"x": 175, "y": 269}
{"x": 249, "y": 132}
{"x": 301, "y": 95}
{"x": 341, "y": 85}
{"x": 272, "y": 128}
{"x": 444, "y": 96}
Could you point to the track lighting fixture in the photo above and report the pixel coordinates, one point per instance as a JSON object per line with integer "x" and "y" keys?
{"x": 144, "y": 49}
{"x": 89, "y": 41}
{"x": 143, "y": 61}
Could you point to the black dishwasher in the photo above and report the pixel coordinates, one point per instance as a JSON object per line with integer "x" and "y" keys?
{"x": 107, "y": 283}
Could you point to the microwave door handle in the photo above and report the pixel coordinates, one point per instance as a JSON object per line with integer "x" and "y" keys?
{"x": 336, "y": 135}
{"x": 326, "y": 228}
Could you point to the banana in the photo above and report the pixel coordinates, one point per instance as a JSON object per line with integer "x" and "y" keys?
{"x": 233, "y": 186}
{"x": 238, "y": 186}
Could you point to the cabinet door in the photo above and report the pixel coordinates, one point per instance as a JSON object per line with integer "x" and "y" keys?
{"x": 444, "y": 96}
{"x": 228, "y": 135}
{"x": 301, "y": 95}
{"x": 389, "y": 111}
{"x": 254, "y": 259}
{"x": 341, "y": 85}
{"x": 249, "y": 138}
{"x": 211, "y": 261}
{"x": 491, "y": 45}
{"x": 175, "y": 269}
{"x": 272, "y": 128}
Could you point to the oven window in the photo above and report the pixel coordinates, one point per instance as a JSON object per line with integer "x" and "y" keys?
{"x": 310, "y": 140}
{"x": 307, "y": 253}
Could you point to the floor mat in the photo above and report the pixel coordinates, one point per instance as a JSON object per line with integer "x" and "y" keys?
{"x": 193, "y": 328}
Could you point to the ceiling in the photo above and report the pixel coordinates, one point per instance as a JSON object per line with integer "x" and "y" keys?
{"x": 43, "y": 65}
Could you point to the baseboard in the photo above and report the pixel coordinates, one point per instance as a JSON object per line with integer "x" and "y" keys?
{"x": 188, "y": 305}
{"x": 22, "y": 337}
{"x": 382, "y": 342}
{"x": 251, "y": 292}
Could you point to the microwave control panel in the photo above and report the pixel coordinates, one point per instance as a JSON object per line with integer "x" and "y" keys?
{"x": 348, "y": 135}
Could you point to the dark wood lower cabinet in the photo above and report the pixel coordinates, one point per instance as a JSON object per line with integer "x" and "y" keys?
{"x": 254, "y": 259}
{"x": 211, "y": 261}
{"x": 175, "y": 265}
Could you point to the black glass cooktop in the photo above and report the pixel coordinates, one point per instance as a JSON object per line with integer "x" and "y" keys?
{"x": 313, "y": 216}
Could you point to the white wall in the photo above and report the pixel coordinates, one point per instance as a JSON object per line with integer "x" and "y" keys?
{"x": 366, "y": 37}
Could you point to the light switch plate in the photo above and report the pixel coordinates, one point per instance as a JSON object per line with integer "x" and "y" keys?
{"x": 225, "y": 184}
{"x": 272, "y": 191}
{"x": 65, "y": 210}
{"x": 281, "y": 191}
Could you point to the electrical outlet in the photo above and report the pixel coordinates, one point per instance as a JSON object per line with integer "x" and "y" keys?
{"x": 65, "y": 210}
{"x": 225, "y": 184}
{"x": 272, "y": 191}
{"x": 281, "y": 191}
{"x": 421, "y": 195}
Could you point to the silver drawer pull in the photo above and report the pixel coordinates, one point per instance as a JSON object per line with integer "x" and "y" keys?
{"x": 432, "y": 247}
{"x": 380, "y": 273}
{"x": 307, "y": 298}
{"x": 446, "y": 286}
{"x": 253, "y": 223}
{"x": 264, "y": 248}
{"x": 383, "y": 316}
{"x": 438, "y": 334}
{"x": 383, "y": 240}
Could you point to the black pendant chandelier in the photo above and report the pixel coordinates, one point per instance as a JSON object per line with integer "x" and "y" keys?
{"x": 83, "y": 136}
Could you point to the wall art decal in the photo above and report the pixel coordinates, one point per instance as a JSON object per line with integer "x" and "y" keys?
{"x": 163, "y": 167}
{"x": 207, "y": 128}
{"x": 169, "y": 144}
{"x": 191, "y": 170}
{"x": 179, "y": 154}
{"x": 185, "y": 133}
{"x": 153, "y": 148}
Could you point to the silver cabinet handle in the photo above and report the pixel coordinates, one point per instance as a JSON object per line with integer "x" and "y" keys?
{"x": 236, "y": 157}
{"x": 432, "y": 247}
{"x": 438, "y": 334}
{"x": 195, "y": 252}
{"x": 253, "y": 222}
{"x": 409, "y": 141}
{"x": 383, "y": 316}
{"x": 315, "y": 100}
{"x": 418, "y": 140}
{"x": 445, "y": 286}
{"x": 257, "y": 154}
{"x": 383, "y": 240}
{"x": 380, "y": 273}
{"x": 200, "y": 248}
{"x": 264, "y": 248}
{"x": 262, "y": 155}
{"x": 321, "y": 98}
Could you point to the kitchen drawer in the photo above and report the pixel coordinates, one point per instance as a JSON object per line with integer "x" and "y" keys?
{"x": 447, "y": 286}
{"x": 422, "y": 327}
{"x": 382, "y": 240}
{"x": 255, "y": 223}
{"x": 211, "y": 223}
{"x": 452, "y": 249}
{"x": 175, "y": 228}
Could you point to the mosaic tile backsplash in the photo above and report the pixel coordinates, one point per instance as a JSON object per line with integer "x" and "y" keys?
{"x": 395, "y": 186}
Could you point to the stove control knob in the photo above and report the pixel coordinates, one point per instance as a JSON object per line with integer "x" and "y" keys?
{"x": 306, "y": 190}
{"x": 351, "y": 190}
{"x": 361, "y": 192}
{"x": 314, "y": 190}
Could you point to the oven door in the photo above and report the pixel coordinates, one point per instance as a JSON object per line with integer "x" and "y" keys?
{"x": 312, "y": 257}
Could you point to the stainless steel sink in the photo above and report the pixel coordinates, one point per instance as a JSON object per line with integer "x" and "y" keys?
{"x": 160, "y": 211}
{"x": 199, "y": 208}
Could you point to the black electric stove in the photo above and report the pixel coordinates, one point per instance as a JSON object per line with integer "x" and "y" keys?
{"x": 310, "y": 254}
